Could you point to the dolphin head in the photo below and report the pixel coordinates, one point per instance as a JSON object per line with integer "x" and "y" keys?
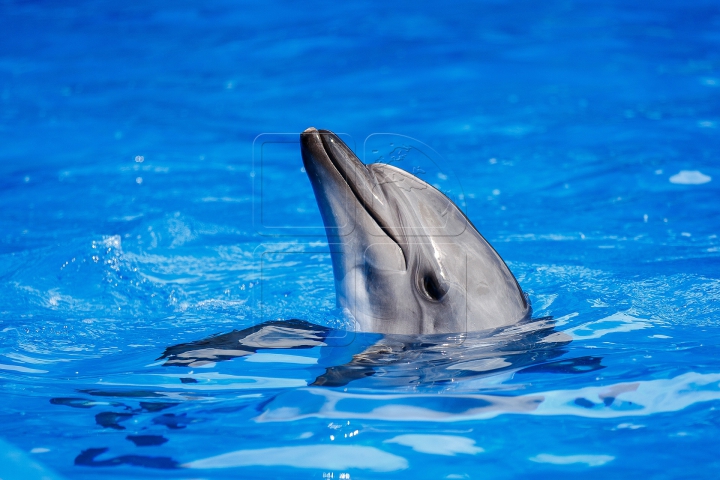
{"x": 406, "y": 260}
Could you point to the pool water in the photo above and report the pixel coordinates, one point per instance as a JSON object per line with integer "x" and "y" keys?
{"x": 167, "y": 305}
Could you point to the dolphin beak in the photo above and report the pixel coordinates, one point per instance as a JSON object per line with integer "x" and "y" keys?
{"x": 322, "y": 149}
{"x": 336, "y": 172}
{"x": 328, "y": 171}
{"x": 313, "y": 152}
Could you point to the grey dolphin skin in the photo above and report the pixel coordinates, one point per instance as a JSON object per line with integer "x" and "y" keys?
{"x": 406, "y": 260}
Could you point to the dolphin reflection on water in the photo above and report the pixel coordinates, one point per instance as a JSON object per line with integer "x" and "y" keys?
{"x": 394, "y": 360}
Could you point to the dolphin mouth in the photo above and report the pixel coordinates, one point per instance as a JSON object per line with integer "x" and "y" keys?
{"x": 322, "y": 149}
{"x": 326, "y": 148}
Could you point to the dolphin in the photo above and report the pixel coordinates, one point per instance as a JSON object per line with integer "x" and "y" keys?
{"x": 380, "y": 360}
{"x": 406, "y": 259}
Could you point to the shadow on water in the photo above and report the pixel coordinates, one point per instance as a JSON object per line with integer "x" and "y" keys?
{"x": 396, "y": 360}
{"x": 88, "y": 459}
{"x": 437, "y": 359}
{"x": 289, "y": 334}
{"x": 113, "y": 420}
{"x": 370, "y": 361}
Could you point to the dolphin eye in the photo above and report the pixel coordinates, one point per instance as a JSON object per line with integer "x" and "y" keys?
{"x": 432, "y": 287}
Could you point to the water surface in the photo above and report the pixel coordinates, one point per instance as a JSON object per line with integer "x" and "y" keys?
{"x": 145, "y": 227}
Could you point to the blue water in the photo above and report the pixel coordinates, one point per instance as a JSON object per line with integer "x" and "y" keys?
{"x": 151, "y": 195}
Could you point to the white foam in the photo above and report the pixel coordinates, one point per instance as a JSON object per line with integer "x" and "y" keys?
{"x": 544, "y": 301}
{"x": 17, "y": 368}
{"x": 280, "y": 358}
{"x": 615, "y": 323}
{"x": 207, "y": 381}
{"x": 690, "y": 177}
{"x": 19, "y": 357}
{"x": 449, "y": 445}
{"x": 635, "y": 399}
{"x": 589, "y": 460}
{"x": 328, "y": 457}
{"x": 630, "y": 426}
{"x": 481, "y": 365}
